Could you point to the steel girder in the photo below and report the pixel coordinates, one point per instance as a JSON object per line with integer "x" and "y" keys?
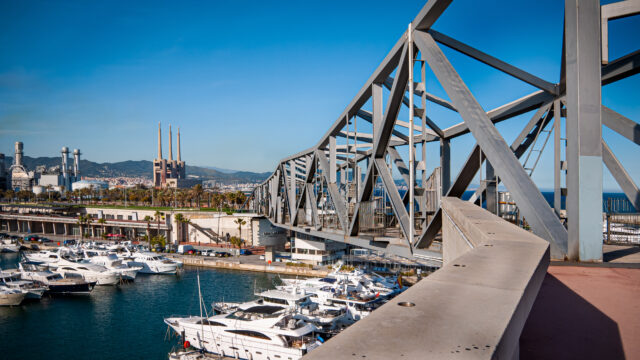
{"x": 307, "y": 181}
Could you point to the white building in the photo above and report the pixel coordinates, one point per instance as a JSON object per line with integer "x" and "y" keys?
{"x": 317, "y": 251}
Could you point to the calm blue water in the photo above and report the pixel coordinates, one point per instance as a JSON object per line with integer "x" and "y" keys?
{"x": 123, "y": 322}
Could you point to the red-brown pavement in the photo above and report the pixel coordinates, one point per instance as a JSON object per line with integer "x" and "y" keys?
{"x": 585, "y": 313}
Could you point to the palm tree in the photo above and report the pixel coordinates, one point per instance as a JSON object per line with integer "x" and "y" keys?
{"x": 197, "y": 193}
{"x": 240, "y": 222}
{"x": 103, "y": 222}
{"x": 84, "y": 220}
{"x": 158, "y": 215}
{"x": 148, "y": 219}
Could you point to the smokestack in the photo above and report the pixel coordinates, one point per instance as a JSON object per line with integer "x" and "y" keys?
{"x": 18, "y": 156}
{"x": 65, "y": 161}
{"x": 159, "y": 142}
{"x": 170, "y": 146}
{"x": 76, "y": 162}
{"x": 2, "y": 167}
{"x": 179, "y": 144}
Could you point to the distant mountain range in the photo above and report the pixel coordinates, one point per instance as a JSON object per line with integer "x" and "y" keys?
{"x": 141, "y": 168}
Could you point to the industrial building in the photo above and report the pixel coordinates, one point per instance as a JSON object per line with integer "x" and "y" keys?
{"x": 169, "y": 172}
{"x": 58, "y": 178}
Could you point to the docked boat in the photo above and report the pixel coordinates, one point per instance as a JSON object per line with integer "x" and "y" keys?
{"x": 259, "y": 333}
{"x": 89, "y": 272}
{"x": 55, "y": 283}
{"x": 152, "y": 263}
{"x": 302, "y": 307}
{"x": 13, "y": 280}
{"x": 11, "y": 297}
{"x": 9, "y": 246}
{"x": 113, "y": 263}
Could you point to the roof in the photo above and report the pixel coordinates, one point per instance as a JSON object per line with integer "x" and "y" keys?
{"x": 286, "y": 295}
{"x": 263, "y": 309}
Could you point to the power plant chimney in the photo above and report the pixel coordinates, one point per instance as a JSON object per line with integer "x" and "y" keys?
{"x": 179, "y": 144}
{"x": 76, "y": 163}
{"x": 159, "y": 142}
{"x": 65, "y": 161}
{"x": 18, "y": 156}
{"x": 170, "y": 146}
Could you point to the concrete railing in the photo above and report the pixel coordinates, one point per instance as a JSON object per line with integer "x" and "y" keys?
{"x": 475, "y": 306}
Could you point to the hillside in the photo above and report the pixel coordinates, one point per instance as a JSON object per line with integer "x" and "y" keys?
{"x": 140, "y": 168}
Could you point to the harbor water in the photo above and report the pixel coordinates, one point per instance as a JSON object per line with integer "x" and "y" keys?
{"x": 116, "y": 322}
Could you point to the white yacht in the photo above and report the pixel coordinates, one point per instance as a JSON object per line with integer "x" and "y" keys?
{"x": 11, "y": 297}
{"x": 13, "y": 280}
{"x": 55, "y": 283}
{"x": 9, "y": 246}
{"x": 262, "y": 332}
{"x": 152, "y": 263}
{"x": 111, "y": 262}
{"x": 89, "y": 272}
{"x": 299, "y": 303}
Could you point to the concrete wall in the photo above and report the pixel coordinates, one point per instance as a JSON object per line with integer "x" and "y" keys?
{"x": 474, "y": 307}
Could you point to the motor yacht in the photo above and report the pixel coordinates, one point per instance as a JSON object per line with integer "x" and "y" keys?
{"x": 9, "y": 246}
{"x": 258, "y": 333}
{"x": 89, "y": 272}
{"x": 11, "y": 297}
{"x": 13, "y": 280}
{"x": 152, "y": 263}
{"x": 111, "y": 262}
{"x": 55, "y": 282}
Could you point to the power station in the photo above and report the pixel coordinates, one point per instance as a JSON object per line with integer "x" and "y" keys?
{"x": 169, "y": 172}
{"x": 58, "y": 178}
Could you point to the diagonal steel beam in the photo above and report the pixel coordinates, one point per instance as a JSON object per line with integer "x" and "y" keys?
{"x": 308, "y": 178}
{"x": 621, "y": 68}
{"x": 429, "y": 13}
{"x": 494, "y": 62}
{"x": 623, "y": 179}
{"x": 524, "y": 140}
{"x": 418, "y": 91}
{"x": 504, "y": 112}
{"x": 396, "y": 201}
{"x": 529, "y": 199}
{"x": 383, "y": 135}
{"x": 338, "y": 202}
{"x": 313, "y": 204}
{"x": 621, "y": 124}
{"x": 381, "y": 141}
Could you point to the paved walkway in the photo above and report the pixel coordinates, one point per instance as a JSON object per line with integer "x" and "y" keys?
{"x": 585, "y": 313}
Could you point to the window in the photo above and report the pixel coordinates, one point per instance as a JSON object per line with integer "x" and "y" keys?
{"x": 210, "y": 323}
{"x": 250, "y": 333}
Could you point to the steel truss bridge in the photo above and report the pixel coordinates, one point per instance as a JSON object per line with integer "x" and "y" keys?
{"x": 342, "y": 188}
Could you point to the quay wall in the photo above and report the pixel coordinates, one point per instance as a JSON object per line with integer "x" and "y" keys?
{"x": 229, "y": 265}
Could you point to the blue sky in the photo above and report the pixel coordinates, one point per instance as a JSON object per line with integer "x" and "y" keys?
{"x": 251, "y": 82}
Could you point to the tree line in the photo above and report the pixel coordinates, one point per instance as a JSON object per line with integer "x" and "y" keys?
{"x": 139, "y": 195}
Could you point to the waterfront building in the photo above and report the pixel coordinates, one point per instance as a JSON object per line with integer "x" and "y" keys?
{"x": 316, "y": 251}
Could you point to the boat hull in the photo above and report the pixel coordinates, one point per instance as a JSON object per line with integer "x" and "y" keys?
{"x": 71, "y": 289}
{"x": 12, "y": 299}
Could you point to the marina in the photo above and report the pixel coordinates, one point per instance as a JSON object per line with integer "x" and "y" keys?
{"x": 116, "y": 322}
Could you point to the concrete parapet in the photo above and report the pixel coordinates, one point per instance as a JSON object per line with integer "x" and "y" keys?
{"x": 475, "y": 306}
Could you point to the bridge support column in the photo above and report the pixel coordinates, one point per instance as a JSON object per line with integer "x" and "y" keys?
{"x": 445, "y": 164}
{"x": 492, "y": 189}
{"x": 584, "y": 129}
